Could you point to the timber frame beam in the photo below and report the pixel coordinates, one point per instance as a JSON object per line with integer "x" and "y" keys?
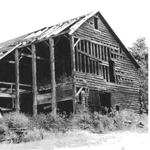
{"x": 73, "y": 71}
{"x": 52, "y": 71}
{"x": 34, "y": 79}
{"x": 17, "y": 80}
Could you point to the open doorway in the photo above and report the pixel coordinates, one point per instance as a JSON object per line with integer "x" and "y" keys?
{"x": 105, "y": 101}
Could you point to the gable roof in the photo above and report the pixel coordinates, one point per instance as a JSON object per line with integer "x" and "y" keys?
{"x": 70, "y": 26}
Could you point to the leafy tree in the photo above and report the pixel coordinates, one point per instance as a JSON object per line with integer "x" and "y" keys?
{"x": 139, "y": 51}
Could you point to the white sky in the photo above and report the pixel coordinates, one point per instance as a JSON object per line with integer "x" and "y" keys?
{"x": 128, "y": 18}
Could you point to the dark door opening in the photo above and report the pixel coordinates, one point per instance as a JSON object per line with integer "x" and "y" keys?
{"x": 105, "y": 100}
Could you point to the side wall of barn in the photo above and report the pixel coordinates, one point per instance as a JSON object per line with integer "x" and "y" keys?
{"x": 103, "y": 65}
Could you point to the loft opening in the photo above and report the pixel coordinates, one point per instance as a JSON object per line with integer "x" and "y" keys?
{"x": 96, "y": 23}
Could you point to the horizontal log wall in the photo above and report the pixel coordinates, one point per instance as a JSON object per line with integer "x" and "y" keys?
{"x": 125, "y": 90}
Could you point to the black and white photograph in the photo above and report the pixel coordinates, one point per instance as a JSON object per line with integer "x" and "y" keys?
{"x": 74, "y": 74}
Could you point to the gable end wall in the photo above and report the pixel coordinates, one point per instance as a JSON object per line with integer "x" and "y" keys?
{"x": 126, "y": 94}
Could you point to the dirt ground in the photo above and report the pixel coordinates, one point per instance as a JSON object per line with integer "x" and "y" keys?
{"x": 77, "y": 140}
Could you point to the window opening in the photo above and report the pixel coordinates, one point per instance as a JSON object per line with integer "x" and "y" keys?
{"x": 82, "y": 45}
{"x": 106, "y": 74}
{"x": 85, "y": 44}
{"x": 103, "y": 71}
{"x": 79, "y": 43}
{"x": 95, "y": 50}
{"x": 96, "y": 22}
{"x": 94, "y": 67}
{"x": 105, "y": 53}
{"x": 90, "y": 66}
{"x": 89, "y": 47}
{"x": 83, "y": 63}
{"x": 117, "y": 107}
{"x": 102, "y": 52}
{"x": 112, "y": 71}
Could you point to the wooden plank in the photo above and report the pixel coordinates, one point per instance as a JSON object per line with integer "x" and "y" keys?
{"x": 52, "y": 72}
{"x": 34, "y": 79}
{"x": 92, "y": 57}
{"x": 85, "y": 68}
{"x": 87, "y": 46}
{"x": 88, "y": 64}
{"x": 7, "y": 95}
{"x": 73, "y": 72}
{"x": 108, "y": 74}
{"x": 97, "y": 68}
{"x": 80, "y": 55}
{"x": 10, "y": 83}
{"x": 93, "y": 49}
{"x": 100, "y": 53}
{"x": 97, "y": 50}
{"x": 17, "y": 107}
{"x": 37, "y": 57}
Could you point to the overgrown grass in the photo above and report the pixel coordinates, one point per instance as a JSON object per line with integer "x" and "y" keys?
{"x": 18, "y": 127}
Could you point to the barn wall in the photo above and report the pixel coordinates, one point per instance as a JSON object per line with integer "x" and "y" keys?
{"x": 124, "y": 91}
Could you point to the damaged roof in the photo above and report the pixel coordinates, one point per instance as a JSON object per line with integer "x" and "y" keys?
{"x": 70, "y": 26}
{"x": 39, "y": 35}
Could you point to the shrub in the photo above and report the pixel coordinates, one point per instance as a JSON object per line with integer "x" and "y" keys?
{"x": 82, "y": 119}
{"x": 48, "y": 123}
{"x": 33, "y": 135}
{"x": 17, "y": 124}
{"x": 16, "y": 120}
{"x": 40, "y": 121}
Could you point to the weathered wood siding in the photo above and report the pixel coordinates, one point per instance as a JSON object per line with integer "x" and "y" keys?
{"x": 125, "y": 90}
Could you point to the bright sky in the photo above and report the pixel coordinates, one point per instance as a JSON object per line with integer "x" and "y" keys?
{"x": 128, "y": 18}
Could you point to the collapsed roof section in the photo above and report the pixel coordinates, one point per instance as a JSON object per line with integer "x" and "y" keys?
{"x": 69, "y": 27}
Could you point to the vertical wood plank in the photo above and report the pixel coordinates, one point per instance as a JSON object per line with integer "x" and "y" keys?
{"x": 97, "y": 51}
{"x": 105, "y": 72}
{"x": 78, "y": 61}
{"x": 17, "y": 107}
{"x": 97, "y": 67}
{"x": 108, "y": 74}
{"x": 100, "y": 53}
{"x": 87, "y": 45}
{"x": 73, "y": 71}
{"x": 34, "y": 79}
{"x": 107, "y": 49}
{"x": 85, "y": 69}
{"x": 53, "y": 82}
{"x": 89, "y": 65}
{"x": 80, "y": 55}
{"x": 93, "y": 49}
{"x": 92, "y": 66}
{"x": 104, "y": 52}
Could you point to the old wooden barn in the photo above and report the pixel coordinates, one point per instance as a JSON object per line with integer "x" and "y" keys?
{"x": 81, "y": 60}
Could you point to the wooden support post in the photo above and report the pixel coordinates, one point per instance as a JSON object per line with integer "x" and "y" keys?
{"x": 34, "y": 80}
{"x": 17, "y": 103}
{"x": 73, "y": 72}
{"x": 53, "y": 82}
